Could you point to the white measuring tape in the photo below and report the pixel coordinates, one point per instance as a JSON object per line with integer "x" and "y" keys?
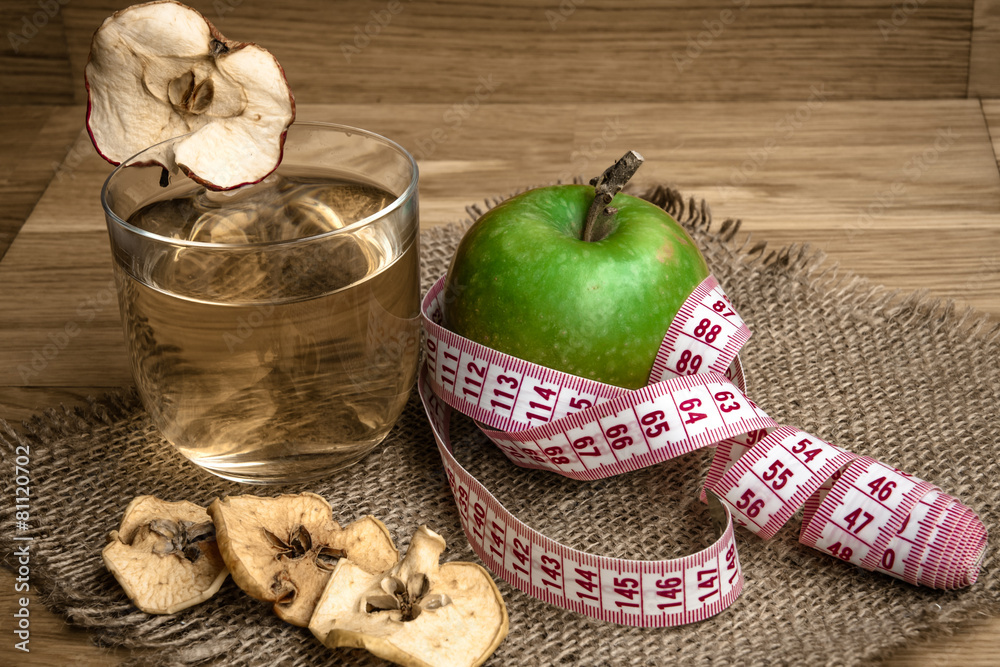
{"x": 854, "y": 507}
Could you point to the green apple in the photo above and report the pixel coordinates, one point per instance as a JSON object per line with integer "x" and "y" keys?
{"x": 523, "y": 282}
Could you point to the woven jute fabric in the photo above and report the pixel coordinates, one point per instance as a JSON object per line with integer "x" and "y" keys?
{"x": 904, "y": 379}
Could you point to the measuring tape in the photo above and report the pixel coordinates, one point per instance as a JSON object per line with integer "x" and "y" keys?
{"x": 854, "y": 507}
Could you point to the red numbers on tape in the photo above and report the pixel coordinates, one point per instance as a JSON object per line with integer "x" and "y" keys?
{"x": 502, "y": 392}
{"x": 780, "y": 471}
{"x": 865, "y": 509}
{"x": 705, "y": 336}
{"x": 637, "y": 429}
{"x": 855, "y": 508}
{"x": 643, "y": 593}
{"x": 688, "y": 363}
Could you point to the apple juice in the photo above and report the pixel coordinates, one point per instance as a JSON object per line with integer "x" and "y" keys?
{"x": 284, "y": 348}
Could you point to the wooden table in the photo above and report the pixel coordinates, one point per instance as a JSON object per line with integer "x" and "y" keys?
{"x": 905, "y": 193}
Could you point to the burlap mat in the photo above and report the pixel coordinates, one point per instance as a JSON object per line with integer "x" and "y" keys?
{"x": 903, "y": 379}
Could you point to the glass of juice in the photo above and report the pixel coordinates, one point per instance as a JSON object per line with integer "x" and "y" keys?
{"x": 273, "y": 330}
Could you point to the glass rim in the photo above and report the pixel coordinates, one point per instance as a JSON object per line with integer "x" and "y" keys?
{"x": 354, "y": 226}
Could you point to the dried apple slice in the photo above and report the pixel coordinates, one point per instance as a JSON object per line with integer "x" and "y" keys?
{"x": 283, "y": 550}
{"x": 160, "y": 70}
{"x": 419, "y": 613}
{"x": 164, "y": 555}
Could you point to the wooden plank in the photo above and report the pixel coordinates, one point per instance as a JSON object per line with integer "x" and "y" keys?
{"x": 465, "y": 153}
{"x": 792, "y": 165}
{"x": 984, "y": 53}
{"x": 545, "y": 51}
{"x": 862, "y": 165}
{"x": 53, "y": 641}
{"x": 78, "y": 178}
{"x": 18, "y": 125}
{"x": 61, "y": 321}
{"x": 82, "y": 19}
{"x": 976, "y": 645}
{"x": 36, "y": 79}
{"x": 34, "y": 59}
{"x": 18, "y": 404}
{"x": 956, "y": 264}
{"x": 991, "y": 110}
{"x": 35, "y": 142}
{"x": 476, "y": 155}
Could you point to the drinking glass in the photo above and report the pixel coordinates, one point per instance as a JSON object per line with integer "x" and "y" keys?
{"x": 272, "y": 331}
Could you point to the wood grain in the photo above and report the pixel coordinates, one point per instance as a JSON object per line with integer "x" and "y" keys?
{"x": 984, "y": 53}
{"x": 991, "y": 111}
{"x": 939, "y": 232}
{"x": 22, "y": 403}
{"x": 34, "y": 57}
{"x": 977, "y": 645}
{"x": 34, "y": 141}
{"x": 804, "y": 164}
{"x": 16, "y": 125}
{"x": 628, "y": 50}
{"x": 53, "y": 642}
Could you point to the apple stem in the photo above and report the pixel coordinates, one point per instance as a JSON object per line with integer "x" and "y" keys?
{"x": 606, "y": 186}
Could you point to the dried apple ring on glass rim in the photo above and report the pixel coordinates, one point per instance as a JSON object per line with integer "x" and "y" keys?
{"x": 161, "y": 70}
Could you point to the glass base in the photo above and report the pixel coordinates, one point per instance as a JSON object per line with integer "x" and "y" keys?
{"x": 285, "y": 469}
